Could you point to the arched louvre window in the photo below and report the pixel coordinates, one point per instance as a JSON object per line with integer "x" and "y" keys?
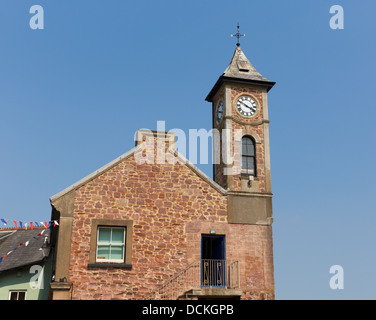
{"x": 248, "y": 156}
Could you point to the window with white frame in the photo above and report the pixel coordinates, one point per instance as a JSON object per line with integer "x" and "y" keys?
{"x": 111, "y": 244}
{"x": 17, "y": 295}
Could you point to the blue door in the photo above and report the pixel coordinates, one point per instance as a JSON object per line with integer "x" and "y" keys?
{"x": 213, "y": 260}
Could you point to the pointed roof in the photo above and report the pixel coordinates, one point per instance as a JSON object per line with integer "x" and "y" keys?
{"x": 240, "y": 70}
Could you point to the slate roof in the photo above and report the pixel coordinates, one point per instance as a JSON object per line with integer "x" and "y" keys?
{"x": 240, "y": 70}
{"x": 35, "y": 251}
{"x": 240, "y": 67}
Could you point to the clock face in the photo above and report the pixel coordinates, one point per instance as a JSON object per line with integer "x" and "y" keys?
{"x": 219, "y": 111}
{"x": 246, "y": 106}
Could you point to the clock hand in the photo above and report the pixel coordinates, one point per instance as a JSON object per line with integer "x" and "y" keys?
{"x": 245, "y": 105}
{"x": 252, "y": 107}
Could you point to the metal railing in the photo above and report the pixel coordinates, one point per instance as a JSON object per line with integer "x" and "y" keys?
{"x": 201, "y": 273}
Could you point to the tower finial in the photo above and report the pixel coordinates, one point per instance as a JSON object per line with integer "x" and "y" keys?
{"x": 238, "y": 36}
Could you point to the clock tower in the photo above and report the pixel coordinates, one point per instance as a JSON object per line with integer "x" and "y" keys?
{"x": 240, "y": 117}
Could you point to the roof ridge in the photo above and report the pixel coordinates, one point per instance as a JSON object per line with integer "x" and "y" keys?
{"x": 96, "y": 173}
{"x": 27, "y": 228}
{"x": 126, "y": 156}
{"x": 197, "y": 171}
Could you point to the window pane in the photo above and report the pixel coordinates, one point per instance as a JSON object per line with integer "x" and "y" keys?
{"x": 104, "y": 235}
{"x": 248, "y": 148}
{"x": 251, "y": 148}
{"x": 244, "y": 162}
{"x": 244, "y": 147}
{"x": 117, "y": 235}
{"x": 251, "y": 164}
{"x": 21, "y": 295}
{"x": 13, "y": 296}
{"x": 248, "y": 163}
{"x": 117, "y": 252}
{"x": 103, "y": 252}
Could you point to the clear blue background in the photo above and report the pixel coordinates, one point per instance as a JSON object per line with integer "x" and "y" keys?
{"x": 73, "y": 95}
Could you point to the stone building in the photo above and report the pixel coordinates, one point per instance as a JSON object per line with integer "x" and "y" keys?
{"x": 143, "y": 229}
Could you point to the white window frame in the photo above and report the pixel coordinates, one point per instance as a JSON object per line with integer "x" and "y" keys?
{"x": 110, "y": 244}
{"x": 17, "y": 291}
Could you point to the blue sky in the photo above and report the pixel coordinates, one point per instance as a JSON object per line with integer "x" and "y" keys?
{"x": 73, "y": 95}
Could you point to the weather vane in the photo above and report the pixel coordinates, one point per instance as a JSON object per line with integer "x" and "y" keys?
{"x": 238, "y": 36}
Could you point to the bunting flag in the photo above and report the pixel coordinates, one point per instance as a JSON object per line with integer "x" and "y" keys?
{"x": 28, "y": 241}
{"x": 24, "y": 225}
